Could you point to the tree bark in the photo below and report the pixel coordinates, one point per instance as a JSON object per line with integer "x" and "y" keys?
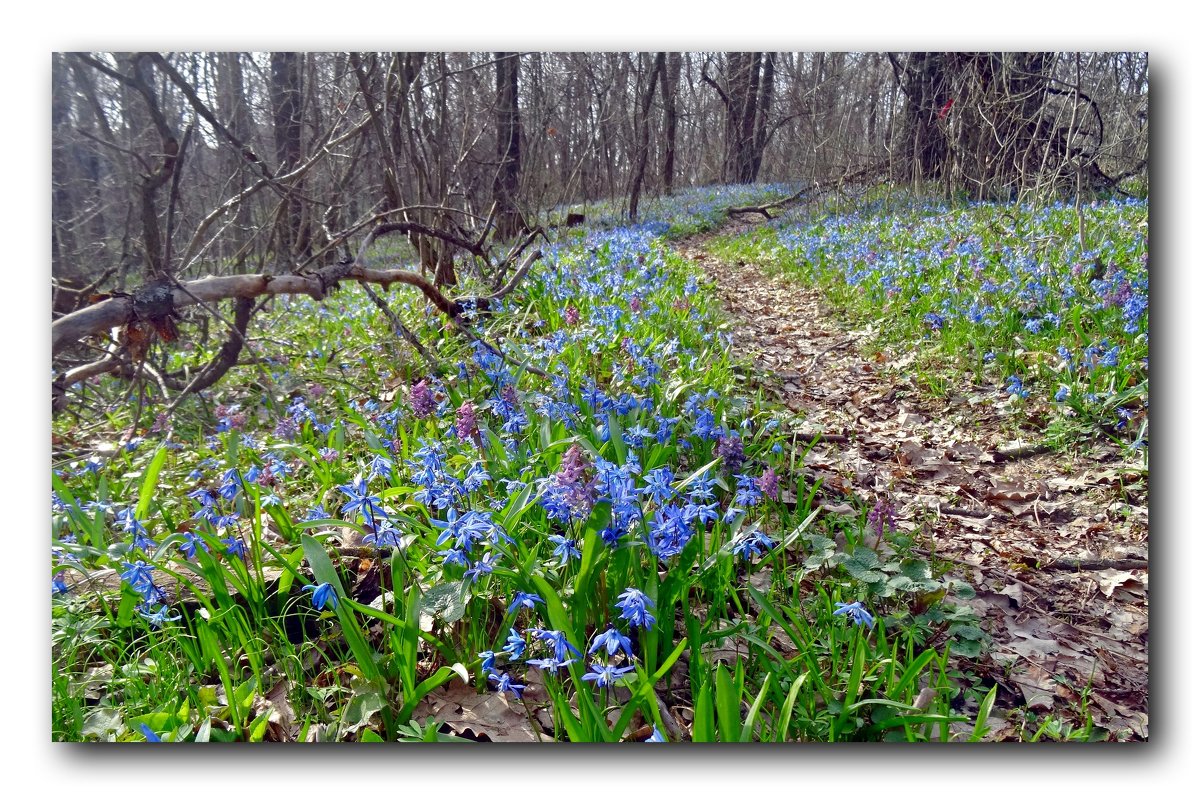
{"x": 506, "y": 187}
{"x": 639, "y": 171}
{"x": 286, "y": 113}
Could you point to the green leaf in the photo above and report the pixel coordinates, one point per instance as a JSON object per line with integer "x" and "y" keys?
{"x": 789, "y": 706}
{"x": 856, "y": 671}
{"x": 900, "y": 688}
{"x": 748, "y": 725}
{"x": 703, "y": 729}
{"x": 862, "y": 573}
{"x": 324, "y": 572}
{"x": 985, "y": 709}
{"x": 614, "y": 438}
{"x": 363, "y": 706}
{"x": 729, "y": 705}
{"x": 447, "y": 601}
{"x": 434, "y": 681}
{"x": 149, "y": 483}
{"x": 917, "y": 570}
{"x": 963, "y": 591}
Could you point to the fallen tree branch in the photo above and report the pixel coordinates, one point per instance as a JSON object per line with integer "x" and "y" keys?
{"x": 101, "y": 317}
{"x": 226, "y": 357}
{"x": 811, "y": 192}
{"x": 1070, "y": 564}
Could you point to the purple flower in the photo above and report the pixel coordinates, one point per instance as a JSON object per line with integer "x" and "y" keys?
{"x": 465, "y": 424}
{"x": 882, "y": 517}
{"x": 422, "y": 400}
{"x": 730, "y": 448}
{"x": 768, "y": 483}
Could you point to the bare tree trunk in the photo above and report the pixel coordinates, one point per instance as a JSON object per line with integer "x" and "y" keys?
{"x": 287, "y": 114}
{"x": 639, "y": 171}
{"x": 237, "y": 118}
{"x": 62, "y": 225}
{"x": 670, "y": 87}
{"x": 505, "y": 189}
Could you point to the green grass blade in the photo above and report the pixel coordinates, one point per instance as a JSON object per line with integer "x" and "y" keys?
{"x": 985, "y": 709}
{"x": 150, "y": 482}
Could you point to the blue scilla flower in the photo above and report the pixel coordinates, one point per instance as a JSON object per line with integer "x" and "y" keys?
{"x": 323, "y": 595}
{"x": 234, "y": 547}
{"x": 482, "y": 568}
{"x": 379, "y": 466}
{"x": 1062, "y": 393}
{"x": 611, "y": 640}
{"x": 158, "y": 617}
{"x": 191, "y": 543}
{"x": 487, "y": 661}
{"x": 856, "y": 612}
{"x": 464, "y": 530}
{"x": 359, "y": 501}
{"x": 550, "y": 665}
{"x": 1016, "y": 388}
{"x": 605, "y": 675}
{"x": 658, "y": 485}
{"x": 634, "y": 605}
{"x": 515, "y": 645}
{"x": 382, "y": 534}
{"x": 524, "y": 601}
{"x": 231, "y": 483}
{"x": 455, "y": 556}
{"x": 749, "y": 543}
{"x": 505, "y": 684}
{"x": 565, "y": 549}
{"x": 477, "y": 475}
{"x": 138, "y": 575}
{"x": 557, "y": 642}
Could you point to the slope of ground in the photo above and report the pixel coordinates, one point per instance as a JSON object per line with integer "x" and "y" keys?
{"x": 1055, "y": 543}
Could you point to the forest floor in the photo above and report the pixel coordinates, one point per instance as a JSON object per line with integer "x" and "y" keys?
{"x": 1055, "y": 542}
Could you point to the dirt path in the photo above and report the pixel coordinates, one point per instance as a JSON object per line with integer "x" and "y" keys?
{"x": 1015, "y": 519}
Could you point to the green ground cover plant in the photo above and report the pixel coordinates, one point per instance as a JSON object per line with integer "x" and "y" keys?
{"x": 582, "y": 510}
{"x": 1049, "y": 305}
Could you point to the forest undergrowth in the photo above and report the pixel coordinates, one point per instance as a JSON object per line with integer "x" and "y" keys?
{"x": 589, "y": 523}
